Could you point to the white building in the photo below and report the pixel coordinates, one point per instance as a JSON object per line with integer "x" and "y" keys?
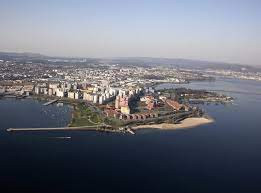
{"x": 75, "y": 86}
{"x": 50, "y": 91}
{"x": 2, "y": 90}
{"x": 59, "y": 93}
{"x": 71, "y": 95}
{"x": 54, "y": 85}
{"x": 112, "y": 92}
{"x": 101, "y": 99}
{"x": 87, "y": 96}
{"x": 36, "y": 90}
{"x": 107, "y": 96}
{"x": 95, "y": 98}
{"x": 45, "y": 91}
{"x": 76, "y": 95}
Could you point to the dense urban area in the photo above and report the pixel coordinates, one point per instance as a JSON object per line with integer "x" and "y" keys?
{"x": 111, "y": 96}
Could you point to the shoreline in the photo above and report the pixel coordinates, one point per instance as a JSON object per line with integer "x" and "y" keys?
{"x": 184, "y": 124}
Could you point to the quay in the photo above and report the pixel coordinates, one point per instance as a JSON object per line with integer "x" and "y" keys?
{"x": 53, "y": 129}
{"x": 50, "y": 102}
{"x": 83, "y": 128}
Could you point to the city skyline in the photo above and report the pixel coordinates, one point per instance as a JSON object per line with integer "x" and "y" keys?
{"x": 222, "y": 31}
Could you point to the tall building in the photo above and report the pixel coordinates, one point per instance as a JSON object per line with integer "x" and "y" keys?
{"x": 107, "y": 96}
{"x": 124, "y": 101}
{"x": 45, "y": 91}
{"x": 53, "y": 85}
{"x": 71, "y": 95}
{"x": 87, "y": 96}
{"x": 101, "y": 100}
{"x": 59, "y": 93}
{"x": 50, "y": 91}
{"x": 117, "y": 102}
{"x": 95, "y": 98}
{"x": 76, "y": 95}
{"x": 36, "y": 90}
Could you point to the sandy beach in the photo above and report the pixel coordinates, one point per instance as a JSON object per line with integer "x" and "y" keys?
{"x": 186, "y": 123}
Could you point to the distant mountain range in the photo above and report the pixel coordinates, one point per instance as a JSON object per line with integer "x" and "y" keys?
{"x": 137, "y": 61}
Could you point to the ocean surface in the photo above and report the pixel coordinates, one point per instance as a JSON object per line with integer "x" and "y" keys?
{"x": 221, "y": 157}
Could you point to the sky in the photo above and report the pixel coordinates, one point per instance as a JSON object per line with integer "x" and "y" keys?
{"x": 214, "y": 30}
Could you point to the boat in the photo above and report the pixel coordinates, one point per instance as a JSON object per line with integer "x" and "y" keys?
{"x": 63, "y": 137}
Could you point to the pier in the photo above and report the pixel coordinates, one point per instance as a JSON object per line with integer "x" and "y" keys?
{"x": 50, "y": 102}
{"x": 53, "y": 129}
{"x": 102, "y": 127}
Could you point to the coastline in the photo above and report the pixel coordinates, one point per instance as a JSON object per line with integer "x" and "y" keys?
{"x": 185, "y": 124}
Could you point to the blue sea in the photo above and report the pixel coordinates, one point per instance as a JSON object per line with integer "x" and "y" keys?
{"x": 221, "y": 157}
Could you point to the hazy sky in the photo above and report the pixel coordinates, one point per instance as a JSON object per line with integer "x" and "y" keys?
{"x": 218, "y": 30}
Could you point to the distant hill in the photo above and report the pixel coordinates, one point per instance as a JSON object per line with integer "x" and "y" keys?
{"x": 179, "y": 63}
{"x": 22, "y": 57}
{"x": 137, "y": 61}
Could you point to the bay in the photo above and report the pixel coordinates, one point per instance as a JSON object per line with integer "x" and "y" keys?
{"x": 221, "y": 157}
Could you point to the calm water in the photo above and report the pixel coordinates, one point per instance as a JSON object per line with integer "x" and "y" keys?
{"x": 222, "y": 157}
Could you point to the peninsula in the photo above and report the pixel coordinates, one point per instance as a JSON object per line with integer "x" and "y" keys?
{"x": 116, "y": 97}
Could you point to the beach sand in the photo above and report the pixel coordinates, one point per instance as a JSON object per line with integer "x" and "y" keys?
{"x": 186, "y": 123}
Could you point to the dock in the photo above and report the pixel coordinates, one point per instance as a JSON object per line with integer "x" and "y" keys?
{"x": 83, "y": 128}
{"x": 50, "y": 102}
{"x": 52, "y": 129}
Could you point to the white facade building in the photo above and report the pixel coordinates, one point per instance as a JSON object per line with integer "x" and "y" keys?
{"x": 71, "y": 95}
{"x": 59, "y": 93}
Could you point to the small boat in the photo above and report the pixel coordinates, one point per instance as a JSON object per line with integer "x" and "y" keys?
{"x": 63, "y": 137}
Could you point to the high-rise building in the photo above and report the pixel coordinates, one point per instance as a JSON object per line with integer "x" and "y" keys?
{"x": 117, "y": 102}
{"x": 50, "y": 91}
{"x": 101, "y": 99}
{"x": 87, "y": 96}
{"x": 59, "y": 93}
{"x": 36, "y": 90}
{"x": 71, "y": 95}
{"x": 76, "y": 95}
{"x": 124, "y": 101}
{"x": 95, "y": 98}
{"x": 45, "y": 91}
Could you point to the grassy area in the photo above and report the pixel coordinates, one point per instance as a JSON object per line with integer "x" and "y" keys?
{"x": 83, "y": 116}
{"x": 113, "y": 122}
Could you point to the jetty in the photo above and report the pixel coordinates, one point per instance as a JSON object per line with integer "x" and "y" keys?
{"x": 83, "y": 128}
{"x": 101, "y": 128}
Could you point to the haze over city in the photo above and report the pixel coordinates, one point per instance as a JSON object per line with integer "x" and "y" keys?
{"x": 227, "y": 31}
